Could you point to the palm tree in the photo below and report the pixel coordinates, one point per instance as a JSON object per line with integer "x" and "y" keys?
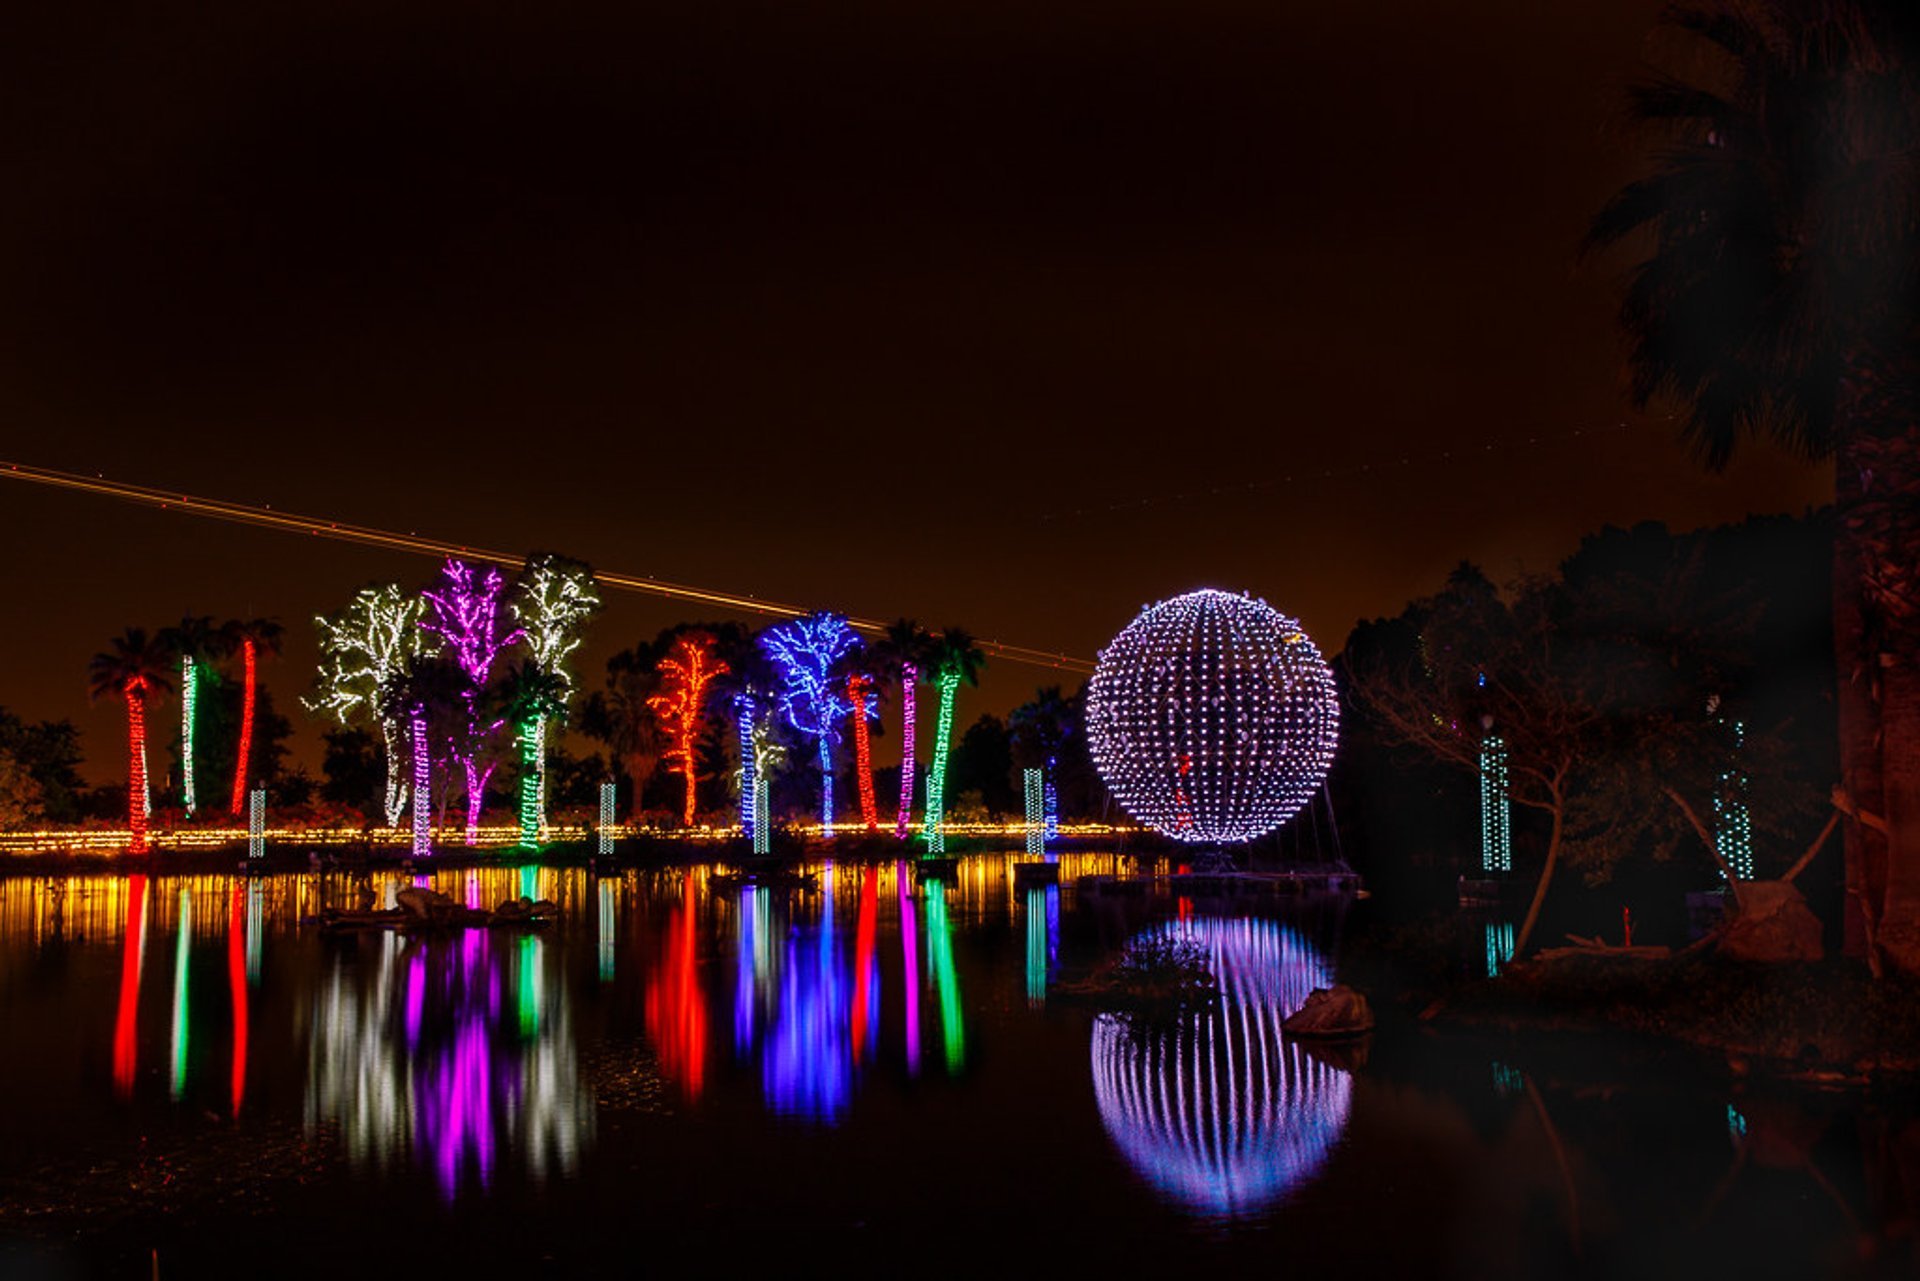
{"x": 533, "y": 696}
{"x": 251, "y": 637}
{"x": 1040, "y": 730}
{"x": 621, "y": 716}
{"x": 748, "y": 687}
{"x": 194, "y": 642}
{"x": 861, "y": 669}
{"x": 956, "y": 658}
{"x": 428, "y": 696}
{"x": 1778, "y": 298}
{"x": 135, "y": 667}
{"x": 905, "y": 649}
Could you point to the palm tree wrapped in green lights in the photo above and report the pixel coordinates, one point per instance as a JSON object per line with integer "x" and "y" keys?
{"x": 534, "y": 697}
{"x": 1779, "y": 297}
{"x": 196, "y": 643}
{"x": 135, "y": 668}
{"x": 955, "y": 658}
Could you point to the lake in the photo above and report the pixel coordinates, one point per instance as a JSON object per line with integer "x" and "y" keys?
{"x": 877, "y": 1076}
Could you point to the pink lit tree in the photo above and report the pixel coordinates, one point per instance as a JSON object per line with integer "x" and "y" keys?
{"x": 467, "y": 614}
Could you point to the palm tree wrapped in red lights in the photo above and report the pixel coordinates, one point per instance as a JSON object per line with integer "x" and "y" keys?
{"x": 134, "y": 669}
{"x": 251, "y": 637}
{"x": 862, "y": 668}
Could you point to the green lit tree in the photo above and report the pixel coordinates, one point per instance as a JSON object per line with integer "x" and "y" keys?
{"x": 955, "y": 659}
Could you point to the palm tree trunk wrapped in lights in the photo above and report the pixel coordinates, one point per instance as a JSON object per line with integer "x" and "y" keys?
{"x": 132, "y": 670}
{"x": 959, "y": 659}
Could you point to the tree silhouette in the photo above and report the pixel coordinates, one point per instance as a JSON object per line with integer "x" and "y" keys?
{"x": 1778, "y": 297}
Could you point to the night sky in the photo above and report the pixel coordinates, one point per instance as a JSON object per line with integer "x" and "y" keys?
{"x": 895, "y": 308}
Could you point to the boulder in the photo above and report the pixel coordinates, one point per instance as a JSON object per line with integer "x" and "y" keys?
{"x": 1771, "y": 922}
{"x": 1330, "y": 1012}
{"x": 424, "y": 905}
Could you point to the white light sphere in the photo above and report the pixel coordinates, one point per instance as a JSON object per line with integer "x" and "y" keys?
{"x": 1212, "y": 717}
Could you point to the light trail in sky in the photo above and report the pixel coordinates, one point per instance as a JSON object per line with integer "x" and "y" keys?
{"x": 265, "y": 517}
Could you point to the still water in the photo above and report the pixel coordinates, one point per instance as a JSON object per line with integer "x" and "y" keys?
{"x": 877, "y": 1077}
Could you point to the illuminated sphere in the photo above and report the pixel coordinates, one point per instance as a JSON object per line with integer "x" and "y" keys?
{"x": 1212, "y": 717}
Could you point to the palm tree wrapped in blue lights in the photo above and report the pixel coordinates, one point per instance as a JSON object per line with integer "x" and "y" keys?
{"x": 806, "y": 651}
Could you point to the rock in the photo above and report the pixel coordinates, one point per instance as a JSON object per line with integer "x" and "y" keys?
{"x": 1330, "y": 1011}
{"x": 544, "y": 907}
{"x": 1771, "y": 922}
{"x": 514, "y": 909}
{"x": 424, "y": 905}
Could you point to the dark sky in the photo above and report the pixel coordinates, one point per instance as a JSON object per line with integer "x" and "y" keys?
{"x": 847, "y": 304}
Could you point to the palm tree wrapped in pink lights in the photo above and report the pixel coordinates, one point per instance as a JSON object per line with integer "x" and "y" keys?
{"x": 906, "y": 648}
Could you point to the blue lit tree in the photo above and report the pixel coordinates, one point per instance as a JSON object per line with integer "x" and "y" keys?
{"x": 812, "y": 698}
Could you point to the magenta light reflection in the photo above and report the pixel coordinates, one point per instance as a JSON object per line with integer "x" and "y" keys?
{"x": 910, "y": 981}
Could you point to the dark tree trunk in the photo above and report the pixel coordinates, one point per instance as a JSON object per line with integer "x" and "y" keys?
{"x": 1877, "y": 642}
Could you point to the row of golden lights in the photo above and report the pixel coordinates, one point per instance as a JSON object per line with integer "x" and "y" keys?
{"x": 487, "y": 836}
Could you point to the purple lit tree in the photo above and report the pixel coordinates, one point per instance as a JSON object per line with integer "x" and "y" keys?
{"x": 812, "y": 696}
{"x": 466, "y": 614}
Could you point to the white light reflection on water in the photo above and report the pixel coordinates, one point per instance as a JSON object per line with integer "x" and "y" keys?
{"x": 446, "y": 1076}
{"x": 1220, "y": 1113}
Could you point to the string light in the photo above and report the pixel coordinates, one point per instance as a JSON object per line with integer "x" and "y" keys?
{"x": 422, "y": 781}
{"x": 1496, "y": 842}
{"x": 805, "y": 651}
{"x": 864, "y": 705}
{"x": 1212, "y": 717}
{"x": 370, "y": 642}
{"x": 257, "y": 823}
{"x": 607, "y": 794}
{"x": 1732, "y": 824}
{"x": 685, "y": 677}
{"x": 903, "y": 816}
{"x": 245, "y": 752}
{"x": 1036, "y": 813}
{"x": 937, "y": 772}
{"x": 135, "y": 693}
{"x": 189, "y": 688}
{"x": 744, "y": 714}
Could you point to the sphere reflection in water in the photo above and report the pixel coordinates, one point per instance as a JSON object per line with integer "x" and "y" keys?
{"x": 1220, "y": 1113}
{"x": 420, "y": 1055}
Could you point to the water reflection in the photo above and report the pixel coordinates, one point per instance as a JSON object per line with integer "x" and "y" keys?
{"x": 133, "y": 951}
{"x": 1220, "y": 1113}
{"x": 239, "y": 940}
{"x": 676, "y": 1007}
{"x": 807, "y": 1067}
{"x": 444, "y": 1075}
{"x": 177, "y": 1079}
{"x": 1043, "y": 940}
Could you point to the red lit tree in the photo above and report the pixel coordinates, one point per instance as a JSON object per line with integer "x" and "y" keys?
{"x": 134, "y": 668}
{"x": 252, "y": 637}
{"x": 686, "y": 675}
